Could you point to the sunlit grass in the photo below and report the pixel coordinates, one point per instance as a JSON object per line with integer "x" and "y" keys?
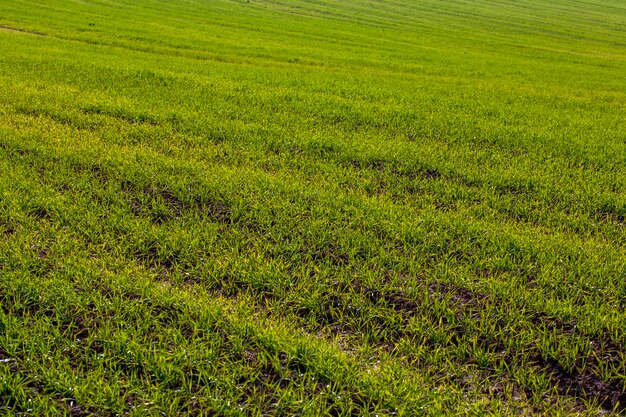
{"x": 329, "y": 208}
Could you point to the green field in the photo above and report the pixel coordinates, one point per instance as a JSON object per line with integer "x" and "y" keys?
{"x": 312, "y": 207}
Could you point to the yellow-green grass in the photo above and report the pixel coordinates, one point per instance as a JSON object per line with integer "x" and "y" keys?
{"x": 312, "y": 207}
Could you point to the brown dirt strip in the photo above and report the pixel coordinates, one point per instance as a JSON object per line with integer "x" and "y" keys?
{"x": 577, "y": 383}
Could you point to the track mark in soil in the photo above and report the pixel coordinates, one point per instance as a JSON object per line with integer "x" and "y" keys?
{"x": 12, "y": 29}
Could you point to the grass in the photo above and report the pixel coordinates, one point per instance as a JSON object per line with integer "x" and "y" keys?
{"x": 312, "y": 208}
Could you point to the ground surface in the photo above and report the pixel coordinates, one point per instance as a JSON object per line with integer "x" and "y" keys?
{"x": 312, "y": 207}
